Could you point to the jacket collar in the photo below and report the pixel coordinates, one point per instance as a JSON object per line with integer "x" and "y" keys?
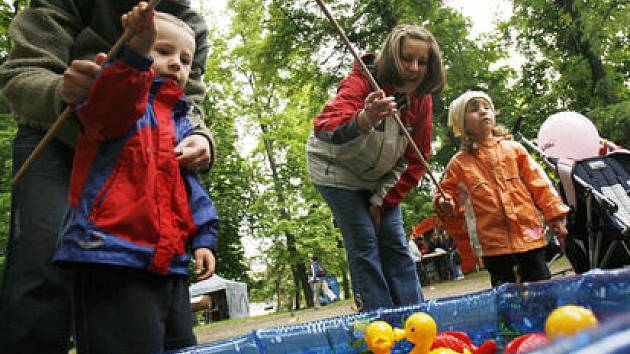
{"x": 169, "y": 92}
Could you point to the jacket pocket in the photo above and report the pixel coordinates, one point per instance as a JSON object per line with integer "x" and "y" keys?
{"x": 362, "y": 155}
{"x": 381, "y": 153}
{"x": 484, "y": 197}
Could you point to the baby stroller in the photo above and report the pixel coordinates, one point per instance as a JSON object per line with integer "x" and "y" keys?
{"x": 595, "y": 187}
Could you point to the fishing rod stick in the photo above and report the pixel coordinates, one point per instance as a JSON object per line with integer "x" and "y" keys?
{"x": 376, "y": 87}
{"x": 67, "y": 112}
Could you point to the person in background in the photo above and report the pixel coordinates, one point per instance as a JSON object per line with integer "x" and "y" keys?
{"x": 454, "y": 259}
{"x": 436, "y": 245}
{"x": 502, "y": 190}
{"x": 416, "y": 255}
{"x": 134, "y": 214}
{"x": 52, "y": 64}
{"x": 422, "y": 245}
{"x": 320, "y": 285}
{"x": 363, "y": 166}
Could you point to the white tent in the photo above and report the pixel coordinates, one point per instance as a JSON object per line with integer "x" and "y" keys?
{"x": 235, "y": 294}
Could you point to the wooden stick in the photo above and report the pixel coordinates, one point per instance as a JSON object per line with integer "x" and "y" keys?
{"x": 67, "y": 112}
{"x": 376, "y": 87}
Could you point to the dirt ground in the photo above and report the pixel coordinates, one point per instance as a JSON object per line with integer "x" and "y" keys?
{"x": 226, "y": 329}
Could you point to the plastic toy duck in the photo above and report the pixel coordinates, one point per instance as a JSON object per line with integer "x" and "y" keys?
{"x": 567, "y": 320}
{"x": 447, "y": 351}
{"x": 564, "y": 321}
{"x": 380, "y": 337}
{"x": 526, "y": 343}
{"x": 460, "y": 342}
{"x": 421, "y": 330}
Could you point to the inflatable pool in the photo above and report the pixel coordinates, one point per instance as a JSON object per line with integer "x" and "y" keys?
{"x": 500, "y": 314}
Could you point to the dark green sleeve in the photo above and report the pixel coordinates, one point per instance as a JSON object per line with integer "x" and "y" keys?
{"x": 42, "y": 43}
{"x": 195, "y": 88}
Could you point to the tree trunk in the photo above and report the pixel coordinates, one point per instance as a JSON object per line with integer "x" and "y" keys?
{"x": 297, "y": 266}
{"x": 585, "y": 48}
{"x": 345, "y": 279}
{"x": 301, "y": 268}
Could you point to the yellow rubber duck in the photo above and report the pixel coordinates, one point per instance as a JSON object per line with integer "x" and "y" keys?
{"x": 421, "y": 330}
{"x": 447, "y": 351}
{"x": 380, "y": 337}
{"x": 567, "y": 320}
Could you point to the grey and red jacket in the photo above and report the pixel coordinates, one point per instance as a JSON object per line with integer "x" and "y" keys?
{"x": 130, "y": 202}
{"x": 381, "y": 160}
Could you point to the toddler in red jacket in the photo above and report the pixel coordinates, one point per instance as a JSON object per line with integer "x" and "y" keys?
{"x": 134, "y": 212}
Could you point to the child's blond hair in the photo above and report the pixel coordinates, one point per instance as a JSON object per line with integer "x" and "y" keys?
{"x": 163, "y": 16}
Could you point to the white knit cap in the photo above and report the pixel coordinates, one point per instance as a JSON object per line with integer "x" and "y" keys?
{"x": 457, "y": 109}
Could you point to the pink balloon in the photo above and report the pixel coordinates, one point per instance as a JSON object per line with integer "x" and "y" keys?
{"x": 568, "y": 135}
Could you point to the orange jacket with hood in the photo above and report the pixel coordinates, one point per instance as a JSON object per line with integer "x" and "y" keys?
{"x": 503, "y": 191}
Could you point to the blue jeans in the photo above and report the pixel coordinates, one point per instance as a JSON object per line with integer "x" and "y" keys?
{"x": 35, "y": 297}
{"x": 382, "y": 271}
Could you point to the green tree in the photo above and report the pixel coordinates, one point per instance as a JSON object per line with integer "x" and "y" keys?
{"x": 231, "y": 178}
{"x": 577, "y": 59}
{"x": 7, "y": 130}
{"x": 279, "y": 156}
{"x": 8, "y": 10}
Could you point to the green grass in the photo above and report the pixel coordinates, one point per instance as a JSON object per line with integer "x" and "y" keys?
{"x": 270, "y": 316}
{"x": 561, "y": 264}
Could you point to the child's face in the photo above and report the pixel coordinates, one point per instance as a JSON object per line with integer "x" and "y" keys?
{"x": 479, "y": 118}
{"x": 414, "y": 57}
{"x": 172, "y": 52}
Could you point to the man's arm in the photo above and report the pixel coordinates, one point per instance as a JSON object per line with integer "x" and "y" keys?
{"x": 195, "y": 88}
{"x": 31, "y": 76}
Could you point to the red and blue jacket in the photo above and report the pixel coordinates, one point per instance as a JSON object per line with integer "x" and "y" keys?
{"x": 130, "y": 202}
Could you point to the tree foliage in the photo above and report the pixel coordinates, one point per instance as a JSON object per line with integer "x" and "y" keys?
{"x": 231, "y": 178}
{"x": 577, "y": 59}
{"x": 7, "y": 125}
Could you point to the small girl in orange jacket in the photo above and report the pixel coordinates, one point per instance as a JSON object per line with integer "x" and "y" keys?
{"x": 502, "y": 191}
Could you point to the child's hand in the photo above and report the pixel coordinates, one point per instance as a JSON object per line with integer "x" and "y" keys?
{"x": 140, "y": 23}
{"x": 78, "y": 78}
{"x": 204, "y": 259}
{"x": 558, "y": 226}
{"x": 446, "y": 206}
